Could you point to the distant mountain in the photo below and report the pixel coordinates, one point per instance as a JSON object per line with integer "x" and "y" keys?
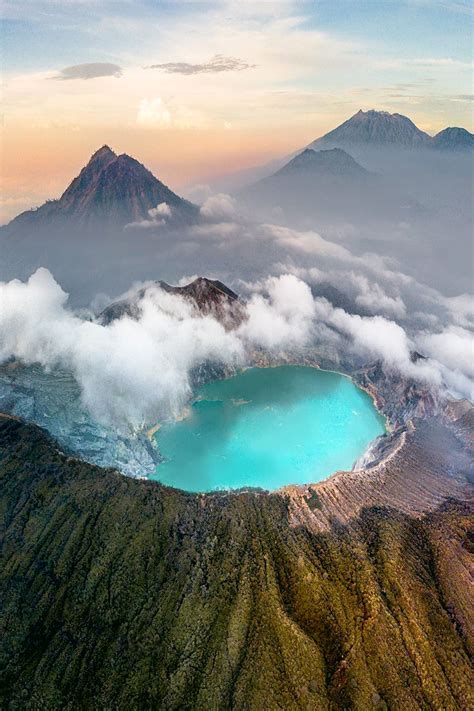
{"x": 454, "y": 139}
{"x": 333, "y": 163}
{"x": 111, "y": 190}
{"x": 326, "y": 186}
{"x": 381, "y": 129}
{"x": 375, "y": 128}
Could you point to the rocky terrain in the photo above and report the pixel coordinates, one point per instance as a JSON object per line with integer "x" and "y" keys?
{"x": 352, "y": 593}
{"x": 51, "y": 399}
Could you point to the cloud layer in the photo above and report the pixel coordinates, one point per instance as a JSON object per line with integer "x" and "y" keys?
{"x": 217, "y": 64}
{"x": 91, "y": 70}
{"x": 134, "y": 372}
{"x": 131, "y": 372}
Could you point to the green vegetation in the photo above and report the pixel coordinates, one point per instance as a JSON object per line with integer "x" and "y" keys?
{"x": 122, "y": 594}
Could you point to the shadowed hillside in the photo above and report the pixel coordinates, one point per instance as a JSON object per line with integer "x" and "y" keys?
{"x": 123, "y": 594}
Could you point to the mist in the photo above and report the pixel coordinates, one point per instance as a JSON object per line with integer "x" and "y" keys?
{"x": 354, "y": 265}
{"x": 134, "y": 371}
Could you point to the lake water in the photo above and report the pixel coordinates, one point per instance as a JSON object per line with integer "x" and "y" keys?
{"x": 267, "y": 427}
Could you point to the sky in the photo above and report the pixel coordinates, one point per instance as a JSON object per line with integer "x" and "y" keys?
{"x": 195, "y": 90}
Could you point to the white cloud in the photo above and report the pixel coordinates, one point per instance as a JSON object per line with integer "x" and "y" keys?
{"x": 198, "y": 193}
{"x": 153, "y": 113}
{"x": 216, "y": 65}
{"x": 454, "y": 347}
{"x": 308, "y": 242}
{"x": 161, "y": 210}
{"x": 283, "y": 318}
{"x": 372, "y": 297}
{"x": 378, "y": 338}
{"x": 130, "y": 372}
{"x": 219, "y": 231}
{"x": 159, "y": 216}
{"x": 219, "y": 207}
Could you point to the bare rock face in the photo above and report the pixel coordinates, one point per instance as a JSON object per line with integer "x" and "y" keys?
{"x": 211, "y": 297}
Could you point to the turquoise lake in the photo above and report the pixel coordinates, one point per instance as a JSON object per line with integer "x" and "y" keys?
{"x": 267, "y": 427}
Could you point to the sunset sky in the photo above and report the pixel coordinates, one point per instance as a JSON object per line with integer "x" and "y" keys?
{"x": 195, "y": 90}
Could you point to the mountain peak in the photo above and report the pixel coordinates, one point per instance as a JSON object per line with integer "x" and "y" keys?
{"x": 333, "y": 162}
{"x": 372, "y": 113}
{"x": 113, "y": 190}
{"x": 372, "y": 127}
{"x": 454, "y": 138}
{"x": 104, "y": 152}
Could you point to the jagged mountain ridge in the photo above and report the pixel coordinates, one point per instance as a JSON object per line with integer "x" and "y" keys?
{"x": 111, "y": 190}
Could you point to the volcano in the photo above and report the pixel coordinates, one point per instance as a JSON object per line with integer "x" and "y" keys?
{"x": 375, "y": 128}
{"x": 110, "y": 191}
{"x": 454, "y": 139}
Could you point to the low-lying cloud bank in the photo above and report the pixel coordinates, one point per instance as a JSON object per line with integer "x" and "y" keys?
{"x": 133, "y": 372}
